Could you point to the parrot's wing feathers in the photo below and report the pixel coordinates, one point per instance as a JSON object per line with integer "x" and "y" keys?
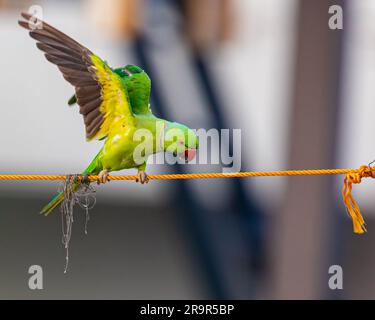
{"x": 101, "y": 93}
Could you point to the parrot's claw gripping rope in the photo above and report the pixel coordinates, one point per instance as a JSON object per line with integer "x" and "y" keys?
{"x": 103, "y": 177}
{"x": 142, "y": 177}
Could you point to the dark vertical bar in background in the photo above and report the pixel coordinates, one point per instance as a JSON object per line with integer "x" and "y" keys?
{"x": 248, "y": 213}
{"x": 305, "y": 219}
{"x": 191, "y": 207}
{"x": 242, "y": 202}
{"x": 336, "y": 253}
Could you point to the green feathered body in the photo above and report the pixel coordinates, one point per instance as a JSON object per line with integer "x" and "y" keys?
{"x": 114, "y": 103}
{"x": 118, "y": 150}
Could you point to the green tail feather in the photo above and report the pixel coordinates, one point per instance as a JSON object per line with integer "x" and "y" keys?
{"x": 52, "y": 204}
{"x": 94, "y": 167}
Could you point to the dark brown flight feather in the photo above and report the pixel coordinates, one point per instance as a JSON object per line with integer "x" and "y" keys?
{"x": 74, "y": 62}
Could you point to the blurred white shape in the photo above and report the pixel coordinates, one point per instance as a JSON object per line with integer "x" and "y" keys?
{"x": 256, "y": 76}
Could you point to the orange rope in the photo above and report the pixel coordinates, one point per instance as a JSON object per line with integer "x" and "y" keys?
{"x": 192, "y": 175}
{"x": 352, "y": 176}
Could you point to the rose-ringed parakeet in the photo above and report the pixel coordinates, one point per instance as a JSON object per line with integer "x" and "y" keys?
{"x": 114, "y": 104}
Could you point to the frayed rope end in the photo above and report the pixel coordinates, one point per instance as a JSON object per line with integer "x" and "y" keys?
{"x": 359, "y": 225}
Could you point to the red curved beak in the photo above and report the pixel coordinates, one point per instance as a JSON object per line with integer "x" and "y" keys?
{"x": 190, "y": 154}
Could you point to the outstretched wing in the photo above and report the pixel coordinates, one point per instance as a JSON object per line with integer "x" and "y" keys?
{"x": 101, "y": 94}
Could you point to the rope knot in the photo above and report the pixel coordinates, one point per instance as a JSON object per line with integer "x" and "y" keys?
{"x": 362, "y": 172}
{"x": 351, "y": 206}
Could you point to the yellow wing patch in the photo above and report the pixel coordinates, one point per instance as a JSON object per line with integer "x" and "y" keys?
{"x": 115, "y": 104}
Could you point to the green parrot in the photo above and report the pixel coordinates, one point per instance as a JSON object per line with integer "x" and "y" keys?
{"x": 115, "y": 105}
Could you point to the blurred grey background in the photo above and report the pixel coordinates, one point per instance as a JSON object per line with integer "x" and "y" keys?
{"x": 301, "y": 94}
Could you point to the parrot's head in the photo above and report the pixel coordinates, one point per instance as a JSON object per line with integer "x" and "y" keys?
{"x": 181, "y": 141}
